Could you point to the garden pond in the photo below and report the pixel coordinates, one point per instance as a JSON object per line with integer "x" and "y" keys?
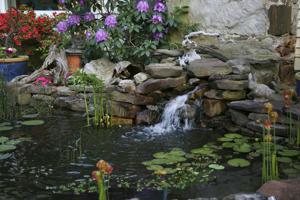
{"x": 62, "y": 151}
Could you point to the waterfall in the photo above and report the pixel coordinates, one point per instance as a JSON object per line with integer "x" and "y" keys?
{"x": 172, "y": 117}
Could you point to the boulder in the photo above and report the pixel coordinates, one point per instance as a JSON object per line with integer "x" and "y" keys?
{"x": 47, "y": 90}
{"x": 213, "y": 107}
{"x": 102, "y": 68}
{"x": 226, "y": 84}
{"x": 141, "y": 77}
{"x": 207, "y": 67}
{"x": 294, "y": 110}
{"x": 241, "y": 69}
{"x": 167, "y": 52}
{"x": 135, "y": 99}
{"x": 121, "y": 121}
{"x": 248, "y": 106}
{"x": 124, "y": 110}
{"x": 45, "y": 98}
{"x": 65, "y": 91}
{"x": 281, "y": 130}
{"x": 163, "y": 70}
{"x": 147, "y": 117}
{"x": 238, "y": 117}
{"x": 282, "y": 189}
{"x": 225, "y": 94}
{"x": 127, "y": 86}
{"x": 74, "y": 103}
{"x": 262, "y": 117}
{"x": 244, "y": 196}
{"x": 194, "y": 81}
{"x": 152, "y": 85}
{"x": 235, "y": 77}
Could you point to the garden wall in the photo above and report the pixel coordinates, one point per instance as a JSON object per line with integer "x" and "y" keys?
{"x": 245, "y": 17}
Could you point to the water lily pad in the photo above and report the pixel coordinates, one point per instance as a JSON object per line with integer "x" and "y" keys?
{"x": 176, "y": 152}
{"x": 216, "y": 166}
{"x": 160, "y": 155}
{"x": 176, "y": 159}
{"x": 233, "y": 135}
{"x": 155, "y": 167}
{"x": 5, "y": 124}
{"x": 240, "y": 140}
{"x": 238, "y": 162}
{"x": 33, "y": 123}
{"x": 242, "y": 148}
{"x": 284, "y": 159}
{"x": 147, "y": 163}
{"x": 3, "y": 139}
{"x": 289, "y": 153}
{"x": 170, "y": 170}
{"x": 5, "y": 156}
{"x": 254, "y": 154}
{"x": 6, "y": 128}
{"x": 13, "y": 142}
{"x": 202, "y": 151}
{"x": 228, "y": 144}
{"x": 225, "y": 139}
{"x": 6, "y": 148}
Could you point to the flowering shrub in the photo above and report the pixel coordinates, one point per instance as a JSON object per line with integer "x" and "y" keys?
{"x": 121, "y": 30}
{"x": 21, "y": 29}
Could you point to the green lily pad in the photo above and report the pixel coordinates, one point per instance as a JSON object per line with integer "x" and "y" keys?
{"x": 296, "y": 166}
{"x": 13, "y": 142}
{"x": 33, "y": 123}
{"x": 147, "y": 163}
{"x": 6, "y": 148}
{"x": 233, "y": 135}
{"x": 225, "y": 139}
{"x": 254, "y": 154}
{"x": 228, "y": 145}
{"x": 238, "y": 162}
{"x": 176, "y": 159}
{"x": 5, "y": 124}
{"x": 155, "y": 167}
{"x": 284, "y": 159}
{"x": 170, "y": 170}
{"x": 216, "y": 166}
{"x": 3, "y": 139}
{"x": 160, "y": 155}
{"x": 202, "y": 151}
{"x": 240, "y": 140}
{"x": 176, "y": 152}
{"x": 243, "y": 148}
{"x": 290, "y": 171}
{"x": 5, "y": 156}
{"x": 6, "y": 128}
{"x": 289, "y": 153}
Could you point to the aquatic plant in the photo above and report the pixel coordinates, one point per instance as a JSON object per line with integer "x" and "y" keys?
{"x": 287, "y": 98}
{"x": 101, "y": 176}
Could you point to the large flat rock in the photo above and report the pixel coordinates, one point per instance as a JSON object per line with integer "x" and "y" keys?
{"x": 163, "y": 70}
{"x": 135, "y": 99}
{"x": 255, "y": 106}
{"x": 207, "y": 67}
{"x": 281, "y": 130}
{"x": 226, "y": 84}
{"x": 152, "y": 85}
{"x": 225, "y": 94}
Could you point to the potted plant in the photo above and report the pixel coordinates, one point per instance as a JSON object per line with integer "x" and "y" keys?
{"x": 19, "y": 32}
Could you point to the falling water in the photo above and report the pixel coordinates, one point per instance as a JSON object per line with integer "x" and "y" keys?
{"x": 171, "y": 117}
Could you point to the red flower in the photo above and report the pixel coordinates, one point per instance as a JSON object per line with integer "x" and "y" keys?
{"x": 104, "y": 167}
{"x": 267, "y": 124}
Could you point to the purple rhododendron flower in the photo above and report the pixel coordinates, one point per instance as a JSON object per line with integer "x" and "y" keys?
{"x": 73, "y": 20}
{"x": 88, "y": 17}
{"x": 88, "y": 35}
{"x": 61, "y": 1}
{"x": 142, "y": 6}
{"x": 158, "y": 36}
{"x": 159, "y": 7}
{"x": 156, "y": 19}
{"x": 111, "y": 21}
{"x": 62, "y": 27}
{"x": 81, "y": 2}
{"x": 101, "y": 35}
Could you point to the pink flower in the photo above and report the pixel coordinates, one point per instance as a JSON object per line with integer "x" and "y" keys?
{"x": 42, "y": 81}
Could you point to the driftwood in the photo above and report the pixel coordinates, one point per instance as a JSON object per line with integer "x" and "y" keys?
{"x": 58, "y": 72}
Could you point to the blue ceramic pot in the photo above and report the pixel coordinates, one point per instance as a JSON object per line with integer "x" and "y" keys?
{"x": 297, "y": 76}
{"x": 13, "y": 67}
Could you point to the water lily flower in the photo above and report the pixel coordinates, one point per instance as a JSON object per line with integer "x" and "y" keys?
{"x": 267, "y": 124}
{"x": 88, "y": 17}
{"x": 157, "y": 19}
{"x": 159, "y": 7}
{"x": 111, "y": 21}
{"x": 62, "y": 27}
{"x": 101, "y": 35}
{"x": 104, "y": 167}
{"x": 11, "y": 50}
{"x": 268, "y": 107}
{"x": 273, "y": 116}
{"x": 142, "y": 6}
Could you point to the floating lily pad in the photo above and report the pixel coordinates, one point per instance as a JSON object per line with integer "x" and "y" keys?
{"x": 5, "y": 156}
{"x": 33, "y": 123}
{"x": 6, "y": 128}
{"x": 284, "y": 159}
{"x": 160, "y": 155}
{"x": 170, "y": 170}
{"x": 240, "y": 140}
{"x": 289, "y": 153}
{"x": 238, "y": 162}
{"x": 243, "y": 148}
{"x": 176, "y": 152}
{"x": 225, "y": 139}
{"x": 13, "y": 142}
{"x": 228, "y": 144}
{"x": 216, "y": 166}
{"x": 176, "y": 159}
{"x": 3, "y": 139}
{"x": 202, "y": 151}
{"x": 233, "y": 135}
{"x": 147, "y": 163}
{"x": 5, "y": 124}
{"x": 6, "y": 148}
{"x": 155, "y": 167}
{"x": 254, "y": 154}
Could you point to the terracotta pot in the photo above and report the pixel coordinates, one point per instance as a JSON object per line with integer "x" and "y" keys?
{"x": 13, "y": 67}
{"x": 74, "y": 62}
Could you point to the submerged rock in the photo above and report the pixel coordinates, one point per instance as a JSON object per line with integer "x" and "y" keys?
{"x": 207, "y": 67}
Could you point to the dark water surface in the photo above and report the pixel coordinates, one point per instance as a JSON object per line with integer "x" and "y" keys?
{"x": 51, "y": 160}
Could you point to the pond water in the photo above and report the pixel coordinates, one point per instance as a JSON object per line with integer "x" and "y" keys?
{"x": 51, "y": 160}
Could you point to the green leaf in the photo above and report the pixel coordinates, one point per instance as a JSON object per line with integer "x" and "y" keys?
{"x": 216, "y": 166}
{"x": 6, "y": 148}
{"x": 238, "y": 162}
{"x": 6, "y": 128}
{"x": 33, "y": 123}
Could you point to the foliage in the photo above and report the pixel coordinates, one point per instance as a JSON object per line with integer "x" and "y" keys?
{"x": 23, "y": 30}
{"x": 8, "y": 106}
{"x": 121, "y": 30}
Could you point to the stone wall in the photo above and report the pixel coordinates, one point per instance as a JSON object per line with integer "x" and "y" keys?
{"x": 245, "y": 17}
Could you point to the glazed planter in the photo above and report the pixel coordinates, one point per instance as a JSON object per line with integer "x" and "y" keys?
{"x": 13, "y": 67}
{"x": 297, "y": 76}
{"x": 74, "y": 59}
